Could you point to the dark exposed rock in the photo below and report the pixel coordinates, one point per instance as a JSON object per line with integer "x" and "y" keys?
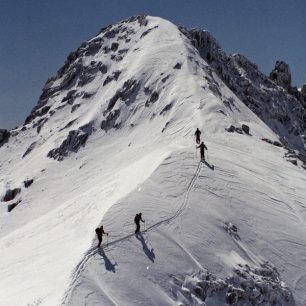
{"x": 166, "y": 108}
{"x": 114, "y": 46}
{"x": 74, "y": 107}
{"x": 112, "y": 77}
{"x": 231, "y": 298}
{"x": 249, "y": 286}
{"x": 147, "y": 91}
{"x": 111, "y": 33}
{"x": 274, "y": 105}
{"x": 178, "y": 66}
{"x": 103, "y": 68}
{"x": 231, "y": 129}
{"x": 154, "y": 97}
{"x": 106, "y": 49}
{"x": 245, "y": 128}
{"x": 165, "y": 78}
{"x": 74, "y": 141}
{"x": 10, "y": 207}
{"x": 267, "y": 140}
{"x": 28, "y": 183}
{"x": 293, "y": 161}
{"x": 123, "y": 51}
{"x": 215, "y": 89}
{"x": 70, "y": 77}
{"x": 87, "y": 95}
{"x": 94, "y": 46}
{"x": 69, "y": 124}
{"x": 29, "y": 149}
{"x": 110, "y": 121}
{"x": 116, "y": 57}
{"x": 4, "y": 136}
{"x": 85, "y": 78}
{"x": 238, "y": 130}
{"x": 147, "y": 31}
{"x": 127, "y": 93}
{"x": 142, "y": 20}
{"x": 69, "y": 96}
{"x": 277, "y": 143}
{"x": 88, "y": 73}
{"x": 281, "y": 75}
{"x": 11, "y": 194}
{"x": 166, "y": 125}
{"x": 40, "y": 124}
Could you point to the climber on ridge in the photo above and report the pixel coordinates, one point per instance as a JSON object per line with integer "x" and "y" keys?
{"x": 198, "y": 135}
{"x": 137, "y": 220}
{"x": 202, "y": 147}
{"x": 100, "y": 232}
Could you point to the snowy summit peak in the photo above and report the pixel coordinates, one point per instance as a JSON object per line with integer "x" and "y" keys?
{"x": 112, "y": 135}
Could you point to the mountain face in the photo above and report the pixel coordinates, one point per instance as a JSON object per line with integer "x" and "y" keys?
{"x": 271, "y": 98}
{"x": 112, "y": 135}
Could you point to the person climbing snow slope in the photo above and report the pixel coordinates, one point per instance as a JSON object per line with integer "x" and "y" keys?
{"x": 137, "y": 220}
{"x": 202, "y": 147}
{"x": 100, "y": 232}
{"x": 198, "y": 135}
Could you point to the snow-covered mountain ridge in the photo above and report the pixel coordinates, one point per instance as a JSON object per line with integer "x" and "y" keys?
{"x": 112, "y": 135}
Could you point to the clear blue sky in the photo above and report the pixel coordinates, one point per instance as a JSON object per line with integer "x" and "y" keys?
{"x": 37, "y": 35}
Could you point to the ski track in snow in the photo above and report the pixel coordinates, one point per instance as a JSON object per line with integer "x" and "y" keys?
{"x": 94, "y": 250}
{"x": 144, "y": 160}
{"x": 165, "y": 227}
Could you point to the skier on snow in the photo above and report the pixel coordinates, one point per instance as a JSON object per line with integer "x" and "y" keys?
{"x": 100, "y": 232}
{"x": 197, "y": 135}
{"x": 137, "y": 220}
{"x": 202, "y": 147}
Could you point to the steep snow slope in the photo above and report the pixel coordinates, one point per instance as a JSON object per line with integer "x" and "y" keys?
{"x": 188, "y": 209}
{"x": 111, "y": 135}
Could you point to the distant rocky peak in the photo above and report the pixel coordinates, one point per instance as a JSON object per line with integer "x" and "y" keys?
{"x": 281, "y": 75}
{"x": 303, "y": 89}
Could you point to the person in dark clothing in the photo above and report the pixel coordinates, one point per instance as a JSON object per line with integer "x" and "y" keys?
{"x": 202, "y": 147}
{"x": 100, "y": 232}
{"x": 198, "y": 135}
{"x": 137, "y": 220}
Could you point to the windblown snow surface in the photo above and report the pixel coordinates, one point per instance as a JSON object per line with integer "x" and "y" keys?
{"x": 230, "y": 230}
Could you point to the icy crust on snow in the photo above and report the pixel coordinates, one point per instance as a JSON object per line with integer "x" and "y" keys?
{"x": 247, "y": 287}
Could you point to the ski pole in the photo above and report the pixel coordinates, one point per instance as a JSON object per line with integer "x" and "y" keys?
{"x": 144, "y": 225}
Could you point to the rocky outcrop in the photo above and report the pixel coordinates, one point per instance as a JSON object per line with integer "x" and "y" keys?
{"x": 244, "y": 128}
{"x": 4, "y": 136}
{"x": 127, "y": 93}
{"x": 74, "y": 141}
{"x": 279, "y": 109}
{"x": 248, "y": 286}
{"x": 29, "y": 149}
{"x": 110, "y": 120}
{"x": 28, "y": 183}
{"x": 281, "y": 75}
{"x": 11, "y": 206}
{"x": 153, "y": 98}
{"x": 11, "y": 194}
{"x": 275, "y": 143}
